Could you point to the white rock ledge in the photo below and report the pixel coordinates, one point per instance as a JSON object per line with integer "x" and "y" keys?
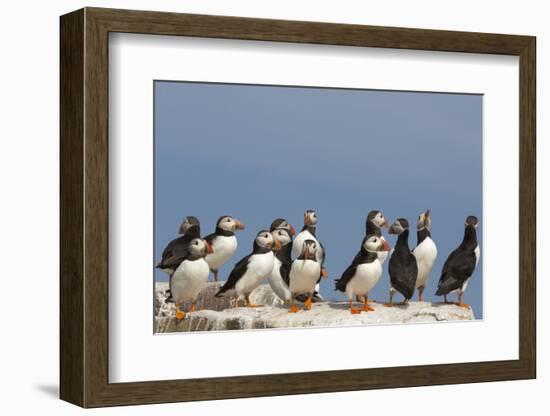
{"x": 217, "y": 315}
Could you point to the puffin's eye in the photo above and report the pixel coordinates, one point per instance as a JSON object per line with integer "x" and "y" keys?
{"x": 228, "y": 220}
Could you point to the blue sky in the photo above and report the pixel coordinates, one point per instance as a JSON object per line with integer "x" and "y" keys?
{"x": 262, "y": 152}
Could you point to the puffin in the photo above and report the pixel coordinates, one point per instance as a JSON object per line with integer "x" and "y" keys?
{"x": 364, "y": 272}
{"x": 402, "y": 265}
{"x": 190, "y": 276}
{"x": 425, "y": 251}
{"x": 304, "y": 274}
{"x": 176, "y": 249}
{"x": 373, "y": 226}
{"x": 281, "y": 223}
{"x": 249, "y": 272}
{"x": 224, "y": 243}
{"x": 279, "y": 277}
{"x": 189, "y": 229}
{"x": 308, "y": 233}
{"x": 460, "y": 264}
{"x": 375, "y": 222}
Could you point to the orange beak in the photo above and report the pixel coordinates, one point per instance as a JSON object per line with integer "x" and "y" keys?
{"x": 386, "y": 246}
{"x": 209, "y": 248}
{"x": 291, "y": 230}
{"x": 276, "y": 245}
{"x": 240, "y": 225}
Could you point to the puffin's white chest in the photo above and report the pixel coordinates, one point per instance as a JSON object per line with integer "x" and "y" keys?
{"x": 224, "y": 247}
{"x": 425, "y": 254}
{"x": 277, "y": 283}
{"x": 477, "y": 252}
{"x": 189, "y": 279}
{"x": 259, "y": 267}
{"x": 366, "y": 277}
{"x": 304, "y": 275}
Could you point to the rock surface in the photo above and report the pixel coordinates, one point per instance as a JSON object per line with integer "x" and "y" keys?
{"x": 216, "y": 313}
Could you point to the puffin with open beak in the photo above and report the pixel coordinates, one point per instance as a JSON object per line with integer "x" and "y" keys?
{"x": 304, "y": 274}
{"x": 308, "y": 232}
{"x": 251, "y": 270}
{"x": 363, "y": 274}
{"x": 224, "y": 243}
{"x": 190, "y": 276}
{"x": 461, "y": 263}
{"x": 425, "y": 251}
{"x": 402, "y": 266}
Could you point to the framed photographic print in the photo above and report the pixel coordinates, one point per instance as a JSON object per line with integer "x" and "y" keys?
{"x": 232, "y": 188}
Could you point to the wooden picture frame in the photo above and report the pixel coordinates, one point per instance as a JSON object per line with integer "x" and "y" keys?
{"x": 84, "y": 207}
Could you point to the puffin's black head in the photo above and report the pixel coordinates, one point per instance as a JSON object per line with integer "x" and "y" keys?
{"x": 377, "y": 217}
{"x": 187, "y": 223}
{"x": 310, "y": 217}
{"x": 199, "y": 248}
{"x": 471, "y": 220}
{"x": 309, "y": 249}
{"x": 373, "y": 243}
{"x": 228, "y": 223}
{"x": 400, "y": 225}
{"x": 265, "y": 239}
{"x": 281, "y": 223}
{"x": 424, "y": 221}
{"x": 282, "y": 235}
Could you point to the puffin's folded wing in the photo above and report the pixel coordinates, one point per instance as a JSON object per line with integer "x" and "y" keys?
{"x": 238, "y": 271}
{"x": 456, "y": 270}
{"x": 171, "y": 262}
{"x": 340, "y": 284}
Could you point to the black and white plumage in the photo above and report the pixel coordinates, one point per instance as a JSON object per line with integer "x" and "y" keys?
{"x": 304, "y": 274}
{"x": 249, "y": 272}
{"x": 190, "y": 276}
{"x": 308, "y": 232}
{"x": 373, "y": 224}
{"x": 402, "y": 265}
{"x": 279, "y": 277}
{"x": 461, "y": 263}
{"x": 224, "y": 243}
{"x": 425, "y": 251}
{"x": 176, "y": 250}
{"x": 282, "y": 224}
{"x": 364, "y": 272}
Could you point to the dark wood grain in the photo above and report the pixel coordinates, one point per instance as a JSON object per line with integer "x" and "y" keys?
{"x": 84, "y": 206}
{"x": 71, "y": 100}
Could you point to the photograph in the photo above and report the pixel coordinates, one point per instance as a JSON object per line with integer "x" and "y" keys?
{"x": 286, "y": 206}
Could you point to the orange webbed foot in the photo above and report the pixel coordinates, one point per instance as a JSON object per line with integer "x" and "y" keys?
{"x": 293, "y": 309}
{"x": 180, "y": 315}
{"x": 463, "y": 305}
{"x": 308, "y": 303}
{"x": 355, "y": 311}
{"x": 367, "y": 308}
